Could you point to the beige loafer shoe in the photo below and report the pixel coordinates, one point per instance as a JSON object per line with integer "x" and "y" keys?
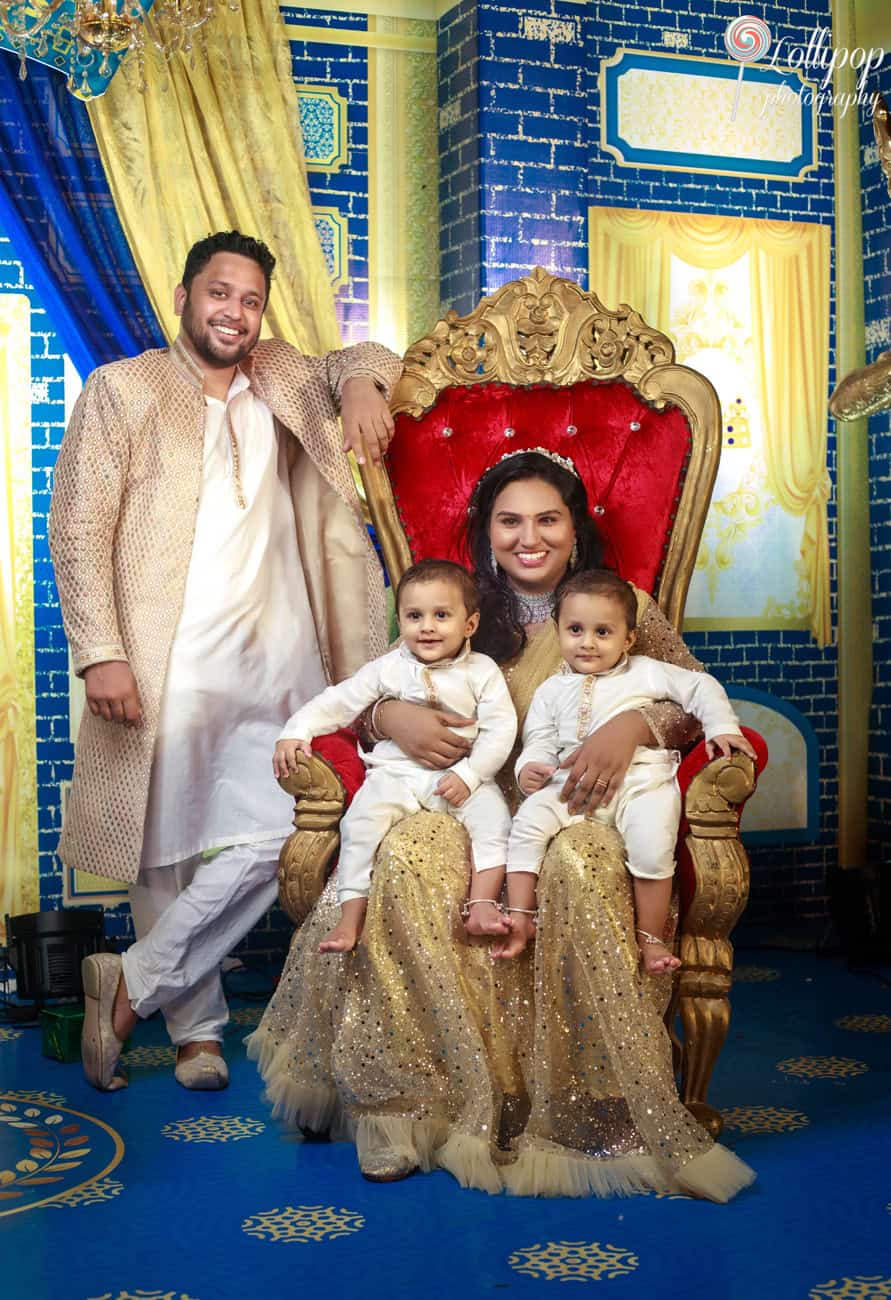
{"x": 203, "y": 1073}
{"x": 100, "y": 1049}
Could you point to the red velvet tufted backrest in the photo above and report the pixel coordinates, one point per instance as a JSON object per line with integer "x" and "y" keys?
{"x": 631, "y": 458}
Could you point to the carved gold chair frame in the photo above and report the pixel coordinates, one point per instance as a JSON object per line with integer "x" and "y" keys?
{"x": 541, "y": 329}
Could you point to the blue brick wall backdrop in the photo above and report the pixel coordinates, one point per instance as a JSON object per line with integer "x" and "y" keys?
{"x": 540, "y": 168}
{"x": 54, "y": 751}
{"x": 877, "y": 273}
{"x": 345, "y": 67}
{"x": 460, "y": 142}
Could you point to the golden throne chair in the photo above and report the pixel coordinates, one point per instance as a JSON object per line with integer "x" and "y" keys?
{"x": 542, "y": 363}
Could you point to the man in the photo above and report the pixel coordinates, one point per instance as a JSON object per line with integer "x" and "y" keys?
{"x": 214, "y": 573}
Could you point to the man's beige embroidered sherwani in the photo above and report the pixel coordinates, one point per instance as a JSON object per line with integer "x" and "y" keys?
{"x": 122, "y": 527}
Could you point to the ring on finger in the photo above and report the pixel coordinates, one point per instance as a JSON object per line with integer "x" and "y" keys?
{"x": 600, "y": 783}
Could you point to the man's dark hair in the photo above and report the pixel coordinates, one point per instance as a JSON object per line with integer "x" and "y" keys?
{"x": 227, "y": 241}
{"x": 600, "y": 582}
{"x": 441, "y": 571}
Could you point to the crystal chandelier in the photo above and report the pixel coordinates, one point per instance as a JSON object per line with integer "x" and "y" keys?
{"x": 104, "y": 28}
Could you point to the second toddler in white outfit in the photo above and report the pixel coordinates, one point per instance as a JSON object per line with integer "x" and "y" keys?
{"x": 437, "y": 609}
{"x": 596, "y": 614}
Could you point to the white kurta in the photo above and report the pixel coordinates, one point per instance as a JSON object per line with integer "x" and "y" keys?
{"x": 471, "y": 686}
{"x": 646, "y": 808}
{"x": 245, "y": 653}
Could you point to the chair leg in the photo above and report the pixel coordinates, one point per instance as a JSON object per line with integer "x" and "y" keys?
{"x": 721, "y": 869}
{"x": 705, "y": 1017}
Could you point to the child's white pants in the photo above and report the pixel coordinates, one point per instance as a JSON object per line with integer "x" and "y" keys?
{"x": 187, "y": 918}
{"x": 386, "y": 796}
{"x": 645, "y": 810}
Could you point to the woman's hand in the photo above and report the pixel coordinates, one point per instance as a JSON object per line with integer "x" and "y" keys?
{"x": 597, "y": 768}
{"x": 424, "y": 734}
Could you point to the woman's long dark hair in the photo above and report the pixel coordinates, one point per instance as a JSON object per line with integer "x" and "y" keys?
{"x": 500, "y": 632}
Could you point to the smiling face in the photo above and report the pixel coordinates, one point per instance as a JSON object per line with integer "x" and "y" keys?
{"x": 593, "y": 632}
{"x": 532, "y": 534}
{"x": 222, "y": 310}
{"x": 433, "y": 620}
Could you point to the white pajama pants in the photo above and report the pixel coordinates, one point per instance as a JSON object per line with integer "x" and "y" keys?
{"x": 187, "y": 918}
{"x": 645, "y": 810}
{"x": 385, "y": 797}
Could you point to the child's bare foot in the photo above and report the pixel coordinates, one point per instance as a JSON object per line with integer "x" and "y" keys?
{"x": 343, "y": 938}
{"x": 522, "y": 932}
{"x": 485, "y": 918}
{"x": 656, "y": 957}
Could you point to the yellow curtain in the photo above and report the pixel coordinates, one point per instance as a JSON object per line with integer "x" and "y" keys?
{"x": 218, "y": 147}
{"x": 790, "y": 307}
{"x": 19, "y": 887}
{"x": 630, "y": 261}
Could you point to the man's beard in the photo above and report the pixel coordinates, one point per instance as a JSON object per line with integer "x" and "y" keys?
{"x": 206, "y": 346}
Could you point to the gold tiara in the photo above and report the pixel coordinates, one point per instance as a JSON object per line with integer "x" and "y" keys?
{"x": 563, "y": 461}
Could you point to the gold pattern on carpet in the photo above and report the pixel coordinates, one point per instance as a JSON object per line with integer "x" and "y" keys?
{"x": 853, "y": 1288}
{"x": 303, "y": 1223}
{"x": 145, "y": 1058}
{"x": 213, "y": 1128}
{"x": 106, "y": 1189}
{"x": 573, "y": 1261}
{"x": 246, "y": 1016}
{"x": 822, "y": 1067}
{"x": 47, "y": 1152}
{"x": 764, "y": 1119}
{"x": 877, "y": 1024}
{"x": 142, "y": 1295}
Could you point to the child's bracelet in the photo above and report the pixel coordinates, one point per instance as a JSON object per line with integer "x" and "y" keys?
{"x": 374, "y": 729}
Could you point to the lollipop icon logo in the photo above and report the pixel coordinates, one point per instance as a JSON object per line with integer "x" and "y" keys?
{"x": 747, "y": 39}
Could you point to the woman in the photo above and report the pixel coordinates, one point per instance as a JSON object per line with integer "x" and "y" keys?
{"x": 549, "y": 1075}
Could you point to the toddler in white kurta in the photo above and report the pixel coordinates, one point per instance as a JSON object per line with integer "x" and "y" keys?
{"x": 434, "y": 665}
{"x": 599, "y": 680}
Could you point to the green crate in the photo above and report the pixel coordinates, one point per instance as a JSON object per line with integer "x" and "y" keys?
{"x": 60, "y": 1030}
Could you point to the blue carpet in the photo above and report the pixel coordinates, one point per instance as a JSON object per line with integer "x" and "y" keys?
{"x": 161, "y": 1194}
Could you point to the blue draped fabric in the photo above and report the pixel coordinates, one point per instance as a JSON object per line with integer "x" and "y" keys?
{"x": 58, "y": 213}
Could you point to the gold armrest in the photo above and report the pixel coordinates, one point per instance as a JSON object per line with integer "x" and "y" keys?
{"x": 305, "y": 859}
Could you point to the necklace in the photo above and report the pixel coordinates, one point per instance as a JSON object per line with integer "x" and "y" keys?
{"x": 536, "y": 607}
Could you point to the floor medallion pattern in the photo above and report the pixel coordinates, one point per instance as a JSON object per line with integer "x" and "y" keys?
{"x": 877, "y": 1024}
{"x": 764, "y": 1119}
{"x": 303, "y": 1223}
{"x": 852, "y": 1288}
{"x": 213, "y": 1128}
{"x": 822, "y": 1067}
{"x": 48, "y": 1150}
{"x": 573, "y": 1261}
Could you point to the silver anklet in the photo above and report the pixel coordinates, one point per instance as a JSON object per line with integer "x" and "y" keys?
{"x": 651, "y": 938}
{"x": 469, "y": 902}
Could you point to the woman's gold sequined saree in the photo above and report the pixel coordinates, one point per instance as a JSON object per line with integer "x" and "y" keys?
{"x": 549, "y": 1076}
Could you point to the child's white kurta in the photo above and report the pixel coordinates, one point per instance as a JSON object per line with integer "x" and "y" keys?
{"x": 647, "y": 806}
{"x": 472, "y": 686}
